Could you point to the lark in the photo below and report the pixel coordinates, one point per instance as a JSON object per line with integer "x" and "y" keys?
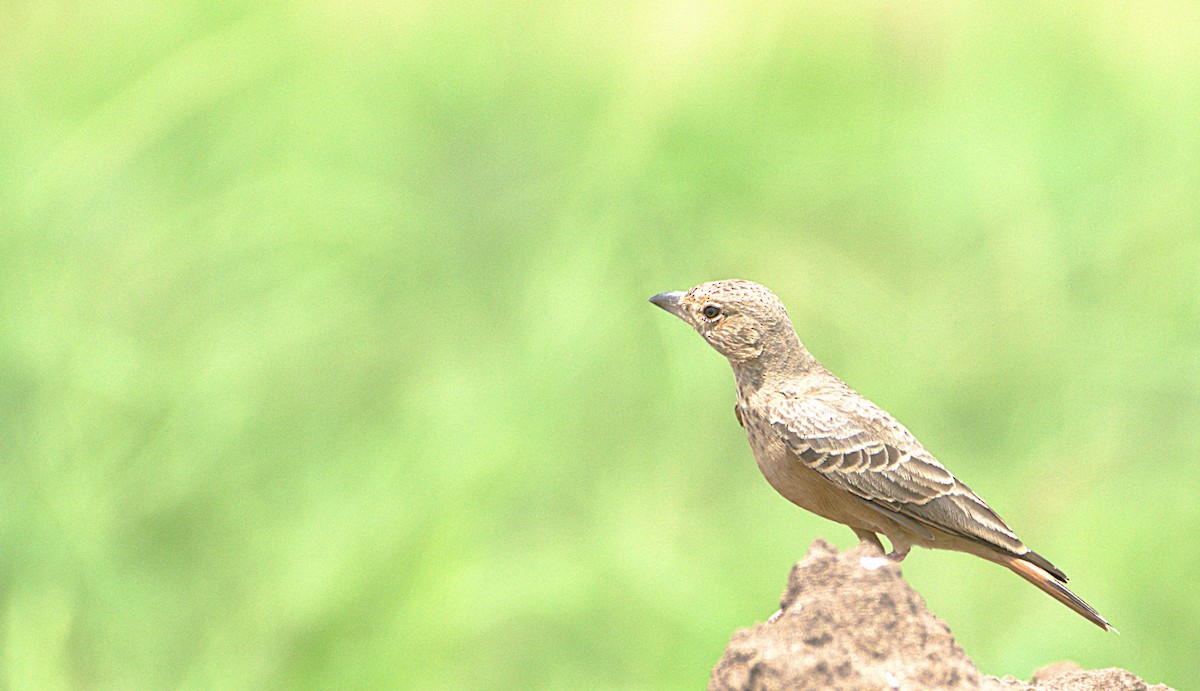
{"x": 829, "y": 450}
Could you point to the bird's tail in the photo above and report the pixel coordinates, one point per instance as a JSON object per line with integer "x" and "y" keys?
{"x": 1052, "y": 586}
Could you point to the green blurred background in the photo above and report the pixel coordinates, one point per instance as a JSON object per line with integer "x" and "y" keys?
{"x": 325, "y": 357}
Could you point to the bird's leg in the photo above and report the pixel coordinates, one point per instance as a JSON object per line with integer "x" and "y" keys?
{"x": 869, "y": 537}
{"x": 897, "y": 555}
{"x": 899, "y": 551}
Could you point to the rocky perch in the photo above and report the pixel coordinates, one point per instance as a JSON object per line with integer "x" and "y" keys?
{"x": 846, "y": 627}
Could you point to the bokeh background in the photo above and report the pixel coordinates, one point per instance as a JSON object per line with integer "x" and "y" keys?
{"x": 325, "y": 359}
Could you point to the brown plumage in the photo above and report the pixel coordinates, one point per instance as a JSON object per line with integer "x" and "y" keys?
{"x": 829, "y": 450}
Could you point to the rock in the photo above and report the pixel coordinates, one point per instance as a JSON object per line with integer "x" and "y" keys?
{"x": 1068, "y": 676}
{"x": 845, "y": 625}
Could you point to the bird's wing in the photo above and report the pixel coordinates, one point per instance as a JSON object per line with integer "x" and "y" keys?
{"x": 865, "y": 451}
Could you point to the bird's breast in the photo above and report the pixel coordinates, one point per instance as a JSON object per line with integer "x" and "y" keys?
{"x": 798, "y": 483}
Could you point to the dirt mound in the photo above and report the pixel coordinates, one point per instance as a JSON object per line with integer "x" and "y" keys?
{"x": 848, "y": 627}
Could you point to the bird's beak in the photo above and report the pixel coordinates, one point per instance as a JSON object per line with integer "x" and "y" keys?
{"x": 671, "y": 302}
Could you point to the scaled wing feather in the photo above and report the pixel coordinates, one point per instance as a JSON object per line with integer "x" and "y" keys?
{"x": 898, "y": 475}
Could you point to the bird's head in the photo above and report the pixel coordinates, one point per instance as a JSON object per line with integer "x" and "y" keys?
{"x": 740, "y": 319}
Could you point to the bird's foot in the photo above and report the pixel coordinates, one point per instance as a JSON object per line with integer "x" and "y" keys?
{"x": 775, "y": 617}
{"x": 896, "y": 556}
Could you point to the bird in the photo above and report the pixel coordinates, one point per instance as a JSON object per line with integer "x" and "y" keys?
{"x": 829, "y": 450}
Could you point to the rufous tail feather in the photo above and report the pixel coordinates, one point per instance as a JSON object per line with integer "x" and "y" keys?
{"x": 1054, "y": 588}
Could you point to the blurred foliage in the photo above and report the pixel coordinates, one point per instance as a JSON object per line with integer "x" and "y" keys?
{"x": 326, "y": 362}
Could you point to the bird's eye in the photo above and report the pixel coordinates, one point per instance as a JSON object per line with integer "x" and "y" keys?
{"x": 712, "y": 311}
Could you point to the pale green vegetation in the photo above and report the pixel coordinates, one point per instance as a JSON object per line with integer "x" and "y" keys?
{"x": 325, "y": 359}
